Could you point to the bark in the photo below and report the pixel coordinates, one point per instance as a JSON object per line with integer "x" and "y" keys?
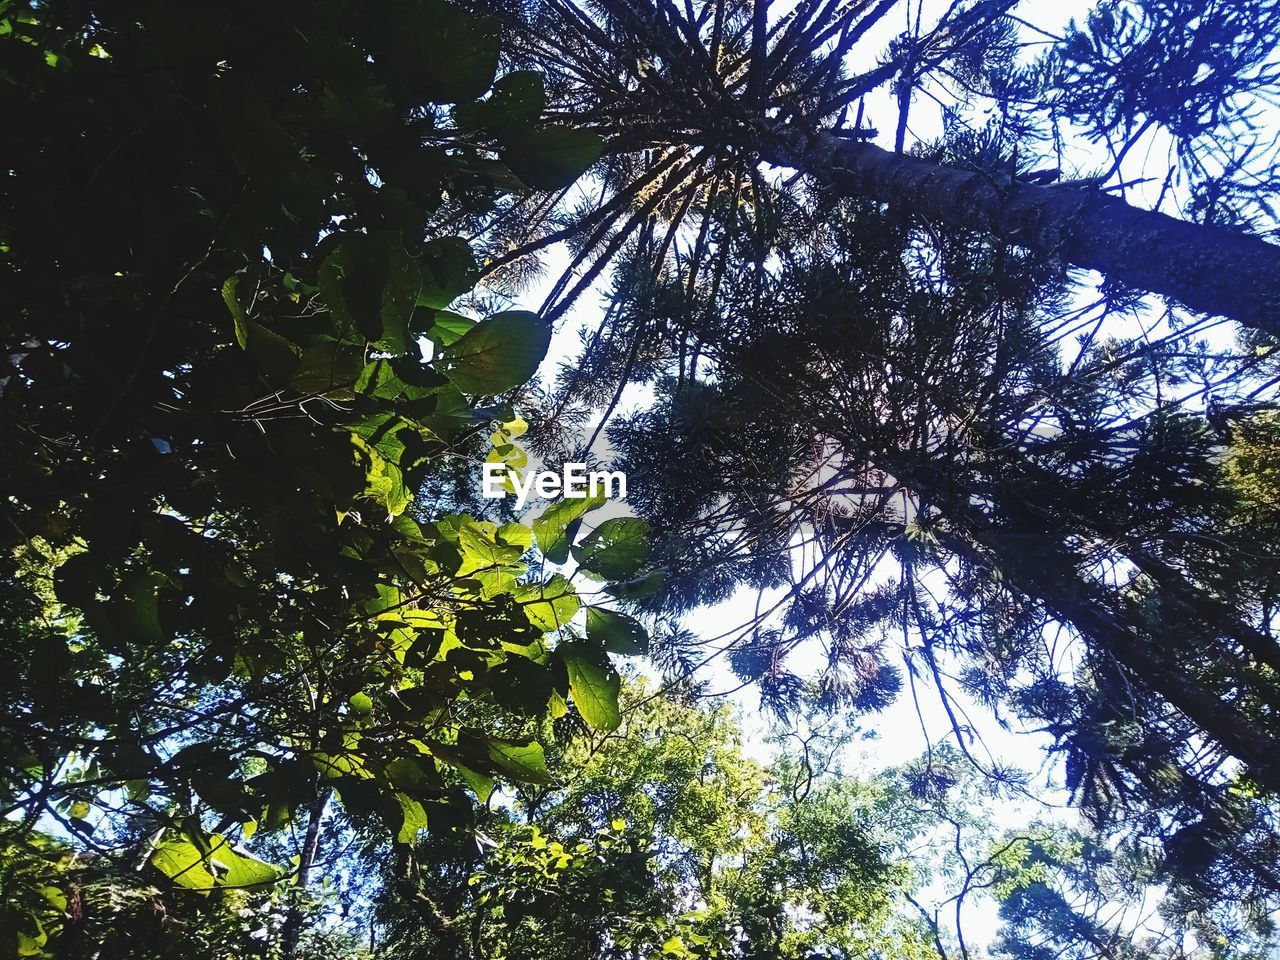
{"x": 1071, "y": 600}
{"x": 1210, "y": 269}
{"x": 1037, "y": 564}
{"x": 307, "y": 857}
{"x": 1197, "y": 602}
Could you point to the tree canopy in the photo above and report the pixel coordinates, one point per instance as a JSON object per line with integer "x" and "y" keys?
{"x": 282, "y": 683}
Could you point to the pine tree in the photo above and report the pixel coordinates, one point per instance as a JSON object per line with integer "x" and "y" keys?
{"x": 693, "y": 98}
{"x": 933, "y": 482}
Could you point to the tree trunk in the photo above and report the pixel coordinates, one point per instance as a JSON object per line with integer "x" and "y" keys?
{"x": 1212, "y": 270}
{"x": 307, "y": 858}
{"x": 1069, "y": 600}
{"x": 1037, "y": 564}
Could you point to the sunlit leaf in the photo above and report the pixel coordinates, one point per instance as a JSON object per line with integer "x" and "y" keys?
{"x": 593, "y": 682}
{"x": 617, "y": 632}
{"x": 498, "y": 353}
{"x": 616, "y": 549}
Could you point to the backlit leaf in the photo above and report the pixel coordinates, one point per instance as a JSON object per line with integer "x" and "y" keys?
{"x": 617, "y": 632}
{"x": 552, "y": 157}
{"x": 593, "y": 682}
{"x": 498, "y": 353}
{"x": 616, "y": 549}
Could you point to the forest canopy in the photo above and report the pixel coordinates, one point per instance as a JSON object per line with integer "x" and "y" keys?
{"x": 936, "y": 341}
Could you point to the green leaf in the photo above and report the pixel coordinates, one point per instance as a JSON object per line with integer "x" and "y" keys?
{"x": 433, "y": 50}
{"x": 31, "y": 942}
{"x": 232, "y": 300}
{"x": 413, "y": 818}
{"x": 521, "y": 685}
{"x": 465, "y": 759}
{"x": 517, "y": 97}
{"x": 552, "y": 157}
{"x": 370, "y": 284}
{"x": 617, "y": 632}
{"x": 616, "y": 549}
{"x": 380, "y": 379}
{"x": 271, "y": 353}
{"x": 520, "y": 95}
{"x": 135, "y": 610}
{"x": 593, "y": 682}
{"x": 495, "y": 174}
{"x": 638, "y": 588}
{"x": 548, "y": 606}
{"x": 336, "y": 766}
{"x": 495, "y": 564}
{"x": 517, "y": 535}
{"x": 521, "y": 761}
{"x": 448, "y": 270}
{"x": 448, "y": 328}
{"x": 499, "y": 353}
{"x": 384, "y": 478}
{"x": 451, "y": 415}
{"x": 481, "y": 785}
{"x": 328, "y": 365}
{"x": 76, "y": 581}
{"x": 556, "y": 527}
{"x": 674, "y": 947}
{"x": 241, "y": 870}
{"x": 221, "y": 866}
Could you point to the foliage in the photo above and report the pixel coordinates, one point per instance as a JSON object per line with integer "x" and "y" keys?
{"x": 92, "y": 906}
{"x": 661, "y": 838}
{"x": 241, "y": 570}
{"x": 992, "y": 512}
{"x": 225, "y": 231}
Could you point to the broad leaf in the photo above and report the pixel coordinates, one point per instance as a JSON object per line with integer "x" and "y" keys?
{"x": 499, "y": 353}
{"x": 552, "y": 157}
{"x": 639, "y": 587}
{"x": 413, "y": 818}
{"x": 220, "y": 866}
{"x": 556, "y": 527}
{"x": 522, "y": 762}
{"x": 271, "y": 353}
{"x": 517, "y": 97}
{"x": 447, "y": 328}
{"x": 447, "y": 270}
{"x": 435, "y": 50}
{"x": 616, "y": 549}
{"x": 617, "y": 632}
{"x": 593, "y": 682}
{"x": 371, "y": 284}
{"x": 548, "y": 606}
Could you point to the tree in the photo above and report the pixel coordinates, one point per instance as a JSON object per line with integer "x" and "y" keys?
{"x": 1038, "y": 533}
{"x": 662, "y": 838}
{"x": 693, "y": 99}
{"x": 884, "y": 377}
{"x": 91, "y": 906}
{"x": 238, "y": 633}
{"x": 717, "y": 82}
